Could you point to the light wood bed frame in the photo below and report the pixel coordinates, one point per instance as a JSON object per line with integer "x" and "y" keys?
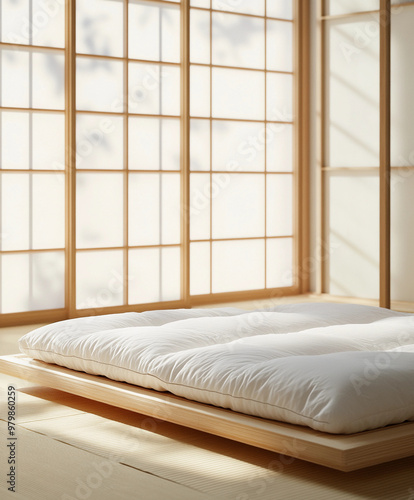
{"x": 341, "y": 452}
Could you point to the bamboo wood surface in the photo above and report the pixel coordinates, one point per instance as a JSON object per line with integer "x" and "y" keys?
{"x": 341, "y": 452}
{"x": 385, "y": 154}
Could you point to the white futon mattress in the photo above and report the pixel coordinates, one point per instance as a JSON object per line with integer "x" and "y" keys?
{"x": 335, "y": 368}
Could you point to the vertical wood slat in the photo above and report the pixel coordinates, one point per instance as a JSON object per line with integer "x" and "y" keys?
{"x": 126, "y": 163}
{"x": 385, "y": 157}
{"x": 70, "y": 132}
{"x": 321, "y": 254}
{"x": 211, "y": 148}
{"x": 185, "y": 150}
{"x": 302, "y": 143}
{"x": 265, "y": 146}
{"x": 1, "y": 177}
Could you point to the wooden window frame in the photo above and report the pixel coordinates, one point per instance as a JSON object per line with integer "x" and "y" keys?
{"x": 384, "y": 169}
{"x": 301, "y": 260}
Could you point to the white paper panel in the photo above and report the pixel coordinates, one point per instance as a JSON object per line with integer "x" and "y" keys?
{"x": 279, "y": 258}
{"x": 144, "y": 209}
{"x": 279, "y": 46}
{"x": 48, "y": 276}
{"x": 402, "y": 153}
{"x": 154, "y": 209}
{"x": 279, "y": 97}
{"x": 354, "y": 235}
{"x": 238, "y": 265}
{"x": 99, "y": 141}
{"x": 33, "y": 281}
{"x": 154, "y": 275}
{"x": 238, "y": 41}
{"x": 99, "y": 210}
{"x": 47, "y": 148}
{"x": 199, "y": 36}
{"x": 245, "y": 6}
{"x": 48, "y": 210}
{"x": 402, "y": 235}
{"x": 12, "y": 15}
{"x": 279, "y": 147}
{"x": 154, "y": 31}
{"x": 238, "y": 146}
{"x": 200, "y": 3}
{"x": 171, "y": 273}
{"x": 34, "y": 22}
{"x": 336, "y": 7}
{"x": 279, "y": 216}
{"x": 171, "y": 144}
{"x": 199, "y": 206}
{"x": 199, "y": 91}
{"x": 44, "y": 89}
{"x": 48, "y": 80}
{"x": 14, "y": 151}
{"x": 48, "y": 22}
{"x": 233, "y": 87}
{"x": 99, "y": 85}
{"x": 402, "y": 80}
{"x": 99, "y": 27}
{"x": 17, "y": 298}
{"x": 199, "y": 268}
{"x": 144, "y": 275}
{"x": 15, "y": 200}
{"x": 199, "y": 145}
{"x": 353, "y": 93}
{"x": 171, "y": 210}
{"x": 281, "y": 9}
{"x": 48, "y": 141}
{"x": 99, "y": 279}
{"x": 154, "y": 89}
{"x": 154, "y": 144}
{"x": 238, "y": 205}
{"x": 15, "y": 78}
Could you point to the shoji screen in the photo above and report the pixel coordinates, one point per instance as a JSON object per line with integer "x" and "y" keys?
{"x": 367, "y": 155}
{"x": 350, "y": 156}
{"x": 402, "y": 153}
{"x": 153, "y": 154}
{"x": 128, "y": 153}
{"x": 32, "y": 156}
{"x": 241, "y": 145}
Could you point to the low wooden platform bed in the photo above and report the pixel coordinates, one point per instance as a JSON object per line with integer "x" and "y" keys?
{"x": 331, "y": 384}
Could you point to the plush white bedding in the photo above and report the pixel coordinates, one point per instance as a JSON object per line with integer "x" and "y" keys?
{"x": 335, "y": 368}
